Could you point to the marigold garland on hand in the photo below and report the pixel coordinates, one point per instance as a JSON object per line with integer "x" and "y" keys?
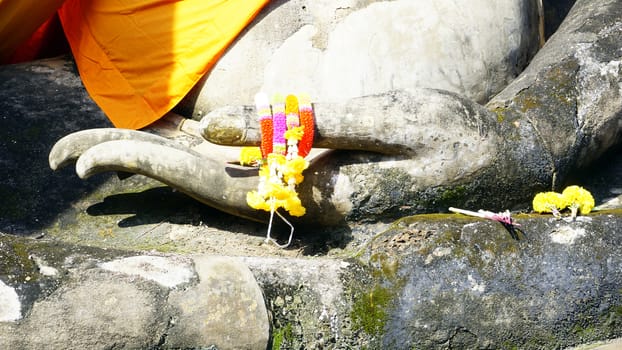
{"x": 250, "y": 156}
{"x": 262, "y": 103}
{"x": 282, "y": 167}
{"x": 307, "y": 123}
{"x": 291, "y": 111}
{"x": 279, "y": 124}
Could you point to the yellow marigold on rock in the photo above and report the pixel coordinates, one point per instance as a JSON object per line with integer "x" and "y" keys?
{"x": 264, "y": 172}
{"x": 548, "y": 202}
{"x": 579, "y": 199}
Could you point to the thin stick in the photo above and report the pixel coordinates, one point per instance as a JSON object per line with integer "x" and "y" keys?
{"x": 291, "y": 233}
{"x": 468, "y": 212}
{"x": 268, "y": 238}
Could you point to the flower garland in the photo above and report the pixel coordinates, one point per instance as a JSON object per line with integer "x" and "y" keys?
{"x": 285, "y": 139}
{"x": 308, "y": 125}
{"x": 575, "y": 198}
{"x": 265, "y": 123}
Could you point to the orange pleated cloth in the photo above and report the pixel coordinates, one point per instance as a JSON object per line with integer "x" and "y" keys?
{"x": 139, "y": 58}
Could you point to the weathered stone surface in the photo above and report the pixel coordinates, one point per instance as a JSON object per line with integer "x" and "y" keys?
{"x": 40, "y": 103}
{"x": 59, "y": 296}
{"x": 336, "y": 50}
{"x": 570, "y": 92}
{"x": 431, "y": 281}
{"x": 310, "y": 301}
{"x": 448, "y": 282}
{"x": 335, "y": 288}
{"x": 226, "y": 308}
{"x": 468, "y": 284}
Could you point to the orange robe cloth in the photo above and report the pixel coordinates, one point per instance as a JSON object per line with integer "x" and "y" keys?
{"x": 139, "y": 58}
{"x": 19, "y": 20}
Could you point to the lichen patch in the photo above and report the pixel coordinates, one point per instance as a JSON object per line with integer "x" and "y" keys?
{"x": 566, "y": 234}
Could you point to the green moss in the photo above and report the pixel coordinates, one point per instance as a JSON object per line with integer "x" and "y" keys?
{"x": 21, "y": 253}
{"x": 508, "y": 345}
{"x": 564, "y": 75}
{"x": 441, "y": 239}
{"x": 17, "y": 258}
{"x": 589, "y": 327}
{"x": 282, "y": 336}
{"x": 369, "y": 312}
{"x": 452, "y": 194}
{"x": 615, "y": 212}
{"x": 612, "y": 319}
{"x": 584, "y": 333}
{"x": 374, "y": 299}
{"x": 447, "y": 196}
{"x": 388, "y": 266}
{"x": 558, "y": 87}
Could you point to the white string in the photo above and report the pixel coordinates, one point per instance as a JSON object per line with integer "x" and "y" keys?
{"x": 291, "y": 233}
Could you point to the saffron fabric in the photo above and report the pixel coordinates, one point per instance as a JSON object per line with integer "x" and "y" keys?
{"x": 139, "y": 58}
{"x": 19, "y": 21}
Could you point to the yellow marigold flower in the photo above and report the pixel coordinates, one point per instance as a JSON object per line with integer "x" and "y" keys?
{"x": 278, "y": 191}
{"x": 294, "y": 206}
{"x": 256, "y": 201}
{"x": 293, "y": 169}
{"x": 264, "y": 172}
{"x": 578, "y": 198}
{"x": 297, "y": 178}
{"x": 275, "y": 158}
{"x": 547, "y": 202}
{"x": 295, "y": 133}
{"x": 250, "y": 155}
{"x": 296, "y": 165}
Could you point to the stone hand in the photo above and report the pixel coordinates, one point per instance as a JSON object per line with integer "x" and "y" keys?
{"x": 400, "y": 153}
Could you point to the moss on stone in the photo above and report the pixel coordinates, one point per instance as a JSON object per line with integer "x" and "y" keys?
{"x": 281, "y": 336}
{"x": 452, "y": 194}
{"x": 374, "y": 299}
{"x": 527, "y": 101}
{"x": 500, "y": 112}
{"x": 563, "y": 75}
{"x": 388, "y": 266}
{"x": 369, "y": 312}
{"x": 16, "y": 262}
